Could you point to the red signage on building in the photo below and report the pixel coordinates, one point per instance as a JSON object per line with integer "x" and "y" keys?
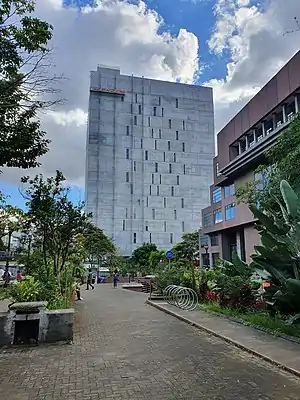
{"x": 109, "y": 91}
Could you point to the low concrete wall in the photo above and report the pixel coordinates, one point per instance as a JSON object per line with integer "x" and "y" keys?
{"x": 60, "y": 325}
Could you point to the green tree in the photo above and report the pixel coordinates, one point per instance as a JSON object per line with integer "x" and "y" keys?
{"x": 188, "y": 248}
{"x": 98, "y": 246}
{"x": 56, "y": 220}
{"x": 281, "y": 162}
{"x": 25, "y": 85}
{"x": 140, "y": 257}
{"x": 157, "y": 260}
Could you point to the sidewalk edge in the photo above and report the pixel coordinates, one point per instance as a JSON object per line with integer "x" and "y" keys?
{"x": 225, "y": 338}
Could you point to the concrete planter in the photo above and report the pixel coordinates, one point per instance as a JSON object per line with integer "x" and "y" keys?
{"x": 32, "y": 323}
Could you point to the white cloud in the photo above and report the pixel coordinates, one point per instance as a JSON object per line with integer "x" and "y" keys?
{"x": 253, "y": 38}
{"x": 114, "y": 32}
{"x": 127, "y": 35}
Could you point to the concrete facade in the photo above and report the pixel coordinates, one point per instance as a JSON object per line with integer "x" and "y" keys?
{"x": 149, "y": 152}
{"x": 227, "y": 225}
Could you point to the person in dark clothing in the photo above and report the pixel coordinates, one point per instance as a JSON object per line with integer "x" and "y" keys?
{"x": 89, "y": 280}
{"x": 116, "y": 280}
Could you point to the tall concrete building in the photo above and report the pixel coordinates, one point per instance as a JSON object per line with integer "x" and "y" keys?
{"x": 228, "y": 226}
{"x": 149, "y": 157}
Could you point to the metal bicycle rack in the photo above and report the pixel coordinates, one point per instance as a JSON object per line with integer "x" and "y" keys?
{"x": 182, "y": 297}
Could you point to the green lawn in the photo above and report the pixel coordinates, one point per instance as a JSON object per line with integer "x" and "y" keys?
{"x": 261, "y": 319}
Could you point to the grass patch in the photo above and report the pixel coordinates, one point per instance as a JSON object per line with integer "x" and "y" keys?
{"x": 260, "y": 319}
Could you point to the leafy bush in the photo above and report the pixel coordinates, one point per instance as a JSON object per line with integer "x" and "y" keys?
{"x": 279, "y": 253}
{"x": 233, "y": 284}
{"x": 27, "y": 290}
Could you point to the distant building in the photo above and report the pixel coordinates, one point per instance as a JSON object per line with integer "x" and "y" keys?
{"x": 228, "y": 226}
{"x": 149, "y": 152}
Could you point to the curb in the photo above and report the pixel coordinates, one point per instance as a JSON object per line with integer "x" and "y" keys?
{"x": 259, "y": 328}
{"x": 225, "y": 338}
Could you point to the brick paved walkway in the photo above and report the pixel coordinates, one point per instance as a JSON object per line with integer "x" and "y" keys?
{"x": 126, "y": 350}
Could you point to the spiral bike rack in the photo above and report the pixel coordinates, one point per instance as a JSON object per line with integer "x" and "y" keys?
{"x": 181, "y": 297}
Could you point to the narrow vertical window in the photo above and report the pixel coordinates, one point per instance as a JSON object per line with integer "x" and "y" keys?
{"x": 172, "y": 191}
{"x": 156, "y": 167}
{"x": 154, "y": 111}
{"x": 126, "y": 213}
{"x": 177, "y": 135}
{"x": 183, "y": 125}
{"x": 164, "y": 156}
{"x": 152, "y": 178}
{"x": 146, "y": 155}
{"x": 183, "y": 147}
{"x": 146, "y": 227}
{"x": 122, "y": 98}
{"x": 131, "y": 188}
{"x": 127, "y": 130}
{"x": 141, "y": 143}
{"x": 182, "y": 226}
{"x": 165, "y": 226}
{"x": 175, "y": 214}
{"x": 134, "y": 238}
{"x": 159, "y": 101}
{"x": 127, "y": 154}
{"x": 149, "y": 121}
{"x": 165, "y": 202}
{"x": 177, "y": 179}
{"x": 170, "y": 168}
{"x": 150, "y": 190}
{"x": 157, "y": 190}
{"x": 159, "y": 133}
{"x": 155, "y": 144}
{"x": 127, "y": 176}
{"x": 169, "y": 145}
{"x": 150, "y": 237}
{"x": 152, "y": 132}
{"x": 184, "y": 169}
{"x": 140, "y": 109}
{"x": 176, "y": 103}
{"x": 160, "y": 179}
{"x": 171, "y": 238}
{"x": 174, "y": 157}
{"x": 131, "y": 108}
{"x": 124, "y": 227}
{"x": 147, "y": 202}
{"x": 136, "y": 98}
{"x": 134, "y": 166}
{"x": 135, "y": 120}
{"x": 170, "y": 124}
{"x": 162, "y": 112}
{"x": 182, "y": 203}
{"x": 153, "y": 213}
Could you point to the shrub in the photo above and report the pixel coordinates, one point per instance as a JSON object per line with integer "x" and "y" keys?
{"x": 27, "y": 290}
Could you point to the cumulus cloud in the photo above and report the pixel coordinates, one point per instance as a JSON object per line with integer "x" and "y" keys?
{"x": 113, "y": 32}
{"x": 253, "y": 37}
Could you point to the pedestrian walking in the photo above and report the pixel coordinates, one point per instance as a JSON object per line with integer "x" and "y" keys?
{"x": 89, "y": 280}
{"x": 116, "y": 280}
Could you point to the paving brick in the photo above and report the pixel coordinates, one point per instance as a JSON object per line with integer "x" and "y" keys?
{"x": 126, "y": 350}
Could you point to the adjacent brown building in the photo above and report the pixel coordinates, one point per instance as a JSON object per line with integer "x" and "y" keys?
{"x": 226, "y": 225}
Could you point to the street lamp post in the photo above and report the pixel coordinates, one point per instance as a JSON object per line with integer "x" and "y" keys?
{"x": 206, "y": 256}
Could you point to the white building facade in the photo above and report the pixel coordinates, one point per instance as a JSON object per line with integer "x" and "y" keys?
{"x": 149, "y": 152}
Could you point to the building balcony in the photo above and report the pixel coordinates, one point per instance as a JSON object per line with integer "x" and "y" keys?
{"x": 249, "y": 148}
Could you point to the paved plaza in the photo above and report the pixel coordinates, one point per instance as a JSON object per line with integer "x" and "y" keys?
{"x": 126, "y": 350}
